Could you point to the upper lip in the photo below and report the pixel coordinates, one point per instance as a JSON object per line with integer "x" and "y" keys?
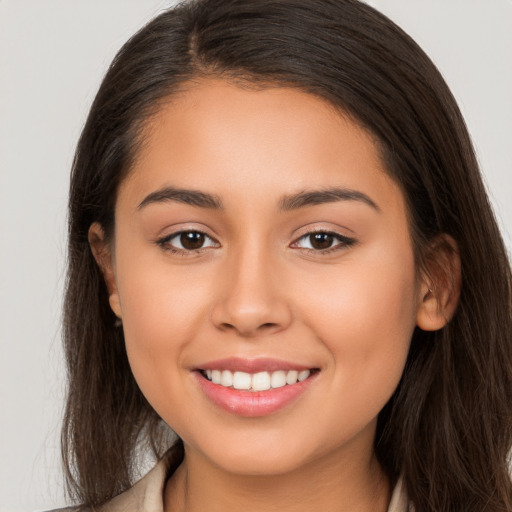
{"x": 236, "y": 364}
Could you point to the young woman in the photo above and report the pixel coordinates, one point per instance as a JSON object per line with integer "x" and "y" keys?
{"x": 280, "y": 247}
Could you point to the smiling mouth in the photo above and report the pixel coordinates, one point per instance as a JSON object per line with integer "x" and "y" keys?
{"x": 260, "y": 381}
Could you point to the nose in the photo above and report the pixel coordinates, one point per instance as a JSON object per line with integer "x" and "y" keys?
{"x": 251, "y": 298}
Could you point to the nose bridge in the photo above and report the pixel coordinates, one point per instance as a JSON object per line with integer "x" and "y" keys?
{"x": 251, "y": 300}
{"x": 252, "y": 275}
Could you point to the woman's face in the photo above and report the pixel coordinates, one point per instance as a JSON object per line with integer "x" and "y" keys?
{"x": 259, "y": 241}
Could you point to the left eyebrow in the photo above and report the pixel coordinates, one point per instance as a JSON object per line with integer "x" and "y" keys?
{"x": 330, "y": 195}
{"x": 181, "y": 195}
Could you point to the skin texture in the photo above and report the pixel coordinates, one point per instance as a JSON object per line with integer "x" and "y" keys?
{"x": 257, "y": 289}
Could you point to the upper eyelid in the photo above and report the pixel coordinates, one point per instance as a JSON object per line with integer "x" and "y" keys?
{"x": 326, "y": 231}
{"x": 174, "y": 234}
{"x": 324, "y": 227}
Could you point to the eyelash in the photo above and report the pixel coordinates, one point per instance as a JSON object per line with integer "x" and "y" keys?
{"x": 165, "y": 242}
{"x": 343, "y": 242}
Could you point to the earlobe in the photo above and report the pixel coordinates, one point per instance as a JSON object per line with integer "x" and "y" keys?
{"x": 102, "y": 253}
{"x": 439, "y": 291}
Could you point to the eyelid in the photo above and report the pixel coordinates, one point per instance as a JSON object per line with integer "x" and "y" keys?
{"x": 164, "y": 241}
{"x": 343, "y": 241}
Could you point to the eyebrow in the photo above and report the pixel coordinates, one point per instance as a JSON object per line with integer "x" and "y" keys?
{"x": 330, "y": 195}
{"x": 287, "y": 203}
{"x": 181, "y": 195}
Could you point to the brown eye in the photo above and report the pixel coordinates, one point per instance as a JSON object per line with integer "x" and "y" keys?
{"x": 192, "y": 240}
{"x": 187, "y": 241}
{"x": 321, "y": 240}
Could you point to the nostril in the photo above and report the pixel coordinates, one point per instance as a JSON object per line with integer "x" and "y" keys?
{"x": 268, "y": 326}
{"x": 226, "y": 326}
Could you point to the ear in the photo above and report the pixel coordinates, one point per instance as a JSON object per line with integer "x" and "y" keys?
{"x": 102, "y": 253}
{"x": 440, "y": 285}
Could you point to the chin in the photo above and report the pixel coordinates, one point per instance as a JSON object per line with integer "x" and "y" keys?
{"x": 259, "y": 463}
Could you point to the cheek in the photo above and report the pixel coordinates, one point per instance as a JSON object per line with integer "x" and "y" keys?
{"x": 365, "y": 317}
{"x": 363, "y": 297}
{"x": 162, "y": 308}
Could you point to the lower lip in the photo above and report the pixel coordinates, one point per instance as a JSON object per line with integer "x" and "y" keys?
{"x": 252, "y": 403}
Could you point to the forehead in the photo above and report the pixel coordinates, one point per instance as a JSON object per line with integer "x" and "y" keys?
{"x": 230, "y": 138}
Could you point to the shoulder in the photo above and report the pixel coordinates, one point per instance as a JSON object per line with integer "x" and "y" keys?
{"x": 65, "y": 509}
{"x": 146, "y": 495}
{"x": 399, "y": 501}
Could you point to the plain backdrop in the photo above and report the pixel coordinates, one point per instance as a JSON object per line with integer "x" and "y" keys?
{"x": 53, "y": 54}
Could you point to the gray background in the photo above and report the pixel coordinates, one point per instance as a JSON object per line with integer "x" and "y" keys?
{"x": 53, "y": 54}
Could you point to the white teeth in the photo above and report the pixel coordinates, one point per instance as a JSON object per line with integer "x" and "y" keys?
{"x": 303, "y": 375}
{"x": 291, "y": 377}
{"x": 241, "y": 380}
{"x": 260, "y": 381}
{"x": 216, "y": 376}
{"x": 278, "y": 379}
{"x": 226, "y": 378}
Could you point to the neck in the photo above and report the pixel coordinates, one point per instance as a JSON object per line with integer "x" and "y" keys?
{"x": 334, "y": 483}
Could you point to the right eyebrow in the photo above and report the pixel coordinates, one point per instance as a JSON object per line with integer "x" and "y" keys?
{"x": 181, "y": 195}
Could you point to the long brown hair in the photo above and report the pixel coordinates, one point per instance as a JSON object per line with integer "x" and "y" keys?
{"x": 447, "y": 428}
